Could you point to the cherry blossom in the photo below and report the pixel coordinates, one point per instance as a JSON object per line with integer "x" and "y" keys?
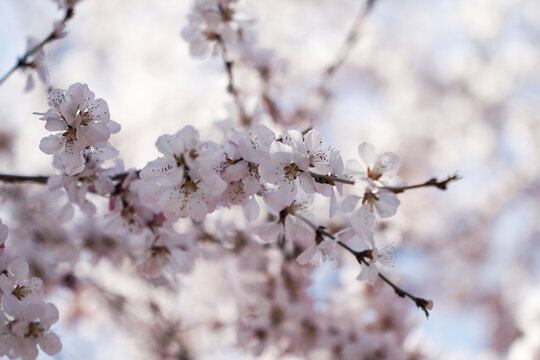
{"x": 36, "y": 63}
{"x": 371, "y": 257}
{"x": 377, "y": 167}
{"x": 25, "y": 319}
{"x": 321, "y": 243}
{"x": 85, "y": 124}
{"x": 286, "y": 169}
{"x": 169, "y": 252}
{"x": 241, "y": 171}
{"x": 187, "y": 179}
{"x": 128, "y": 212}
{"x": 376, "y": 173}
{"x": 382, "y": 202}
{"x": 211, "y": 21}
{"x": 165, "y": 249}
{"x": 93, "y": 178}
{"x": 288, "y": 224}
{"x": 375, "y": 258}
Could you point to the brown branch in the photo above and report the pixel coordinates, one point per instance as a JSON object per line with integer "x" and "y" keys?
{"x": 122, "y": 176}
{"x": 231, "y": 87}
{"x": 361, "y": 257}
{"x": 421, "y": 303}
{"x": 245, "y": 120}
{"x": 442, "y": 184}
{"x": 23, "y": 61}
{"x": 320, "y": 93}
{"x": 40, "y": 179}
{"x": 21, "y": 178}
{"x": 350, "y": 41}
{"x": 329, "y": 179}
{"x": 9, "y": 178}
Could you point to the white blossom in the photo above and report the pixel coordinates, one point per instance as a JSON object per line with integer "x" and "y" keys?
{"x": 25, "y": 319}
{"x": 188, "y": 183}
{"x": 84, "y": 122}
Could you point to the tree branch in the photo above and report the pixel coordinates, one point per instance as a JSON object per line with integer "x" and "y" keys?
{"x": 421, "y": 303}
{"x": 350, "y": 41}
{"x": 23, "y": 61}
{"x": 40, "y": 179}
{"x": 330, "y": 179}
{"x": 245, "y": 120}
{"x": 442, "y": 184}
{"x": 320, "y": 93}
{"x": 361, "y": 256}
{"x": 20, "y": 178}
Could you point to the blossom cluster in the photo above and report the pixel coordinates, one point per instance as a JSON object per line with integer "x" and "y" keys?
{"x": 193, "y": 178}
{"x": 25, "y": 318}
{"x": 274, "y": 177}
{"x": 212, "y": 22}
{"x": 83, "y": 127}
{"x": 273, "y": 173}
{"x": 253, "y": 240}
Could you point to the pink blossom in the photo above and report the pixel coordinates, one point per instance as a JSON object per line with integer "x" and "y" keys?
{"x": 85, "y": 124}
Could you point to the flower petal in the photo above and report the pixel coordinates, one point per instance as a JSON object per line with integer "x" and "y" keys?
{"x": 268, "y": 232}
{"x": 50, "y": 343}
{"x": 363, "y": 220}
{"x": 55, "y": 124}
{"x": 306, "y": 256}
{"x": 387, "y": 204}
{"x": 72, "y": 158}
{"x": 333, "y": 204}
{"x": 367, "y": 154}
{"x": 196, "y": 209}
{"x": 19, "y": 269}
{"x": 349, "y": 203}
{"x": 51, "y": 144}
{"x": 386, "y": 164}
{"x": 251, "y": 209}
{"x": 163, "y": 171}
{"x": 93, "y": 134}
{"x": 4, "y": 231}
{"x": 56, "y": 97}
{"x": 113, "y": 126}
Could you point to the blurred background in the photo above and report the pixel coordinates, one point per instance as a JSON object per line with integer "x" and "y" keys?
{"x": 447, "y": 85}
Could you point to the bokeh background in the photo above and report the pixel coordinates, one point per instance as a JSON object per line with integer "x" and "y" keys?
{"x": 447, "y": 85}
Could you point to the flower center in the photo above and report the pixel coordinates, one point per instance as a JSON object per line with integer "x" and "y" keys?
{"x": 291, "y": 171}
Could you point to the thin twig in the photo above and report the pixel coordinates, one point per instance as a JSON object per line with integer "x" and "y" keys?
{"x": 21, "y": 178}
{"x": 361, "y": 256}
{"x": 229, "y": 66}
{"x": 231, "y": 87}
{"x": 350, "y": 41}
{"x": 329, "y": 179}
{"x": 421, "y": 303}
{"x": 23, "y": 61}
{"x": 320, "y": 92}
{"x": 40, "y": 179}
{"x": 442, "y": 184}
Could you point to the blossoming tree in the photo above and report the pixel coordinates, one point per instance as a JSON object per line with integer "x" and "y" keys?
{"x": 224, "y": 234}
